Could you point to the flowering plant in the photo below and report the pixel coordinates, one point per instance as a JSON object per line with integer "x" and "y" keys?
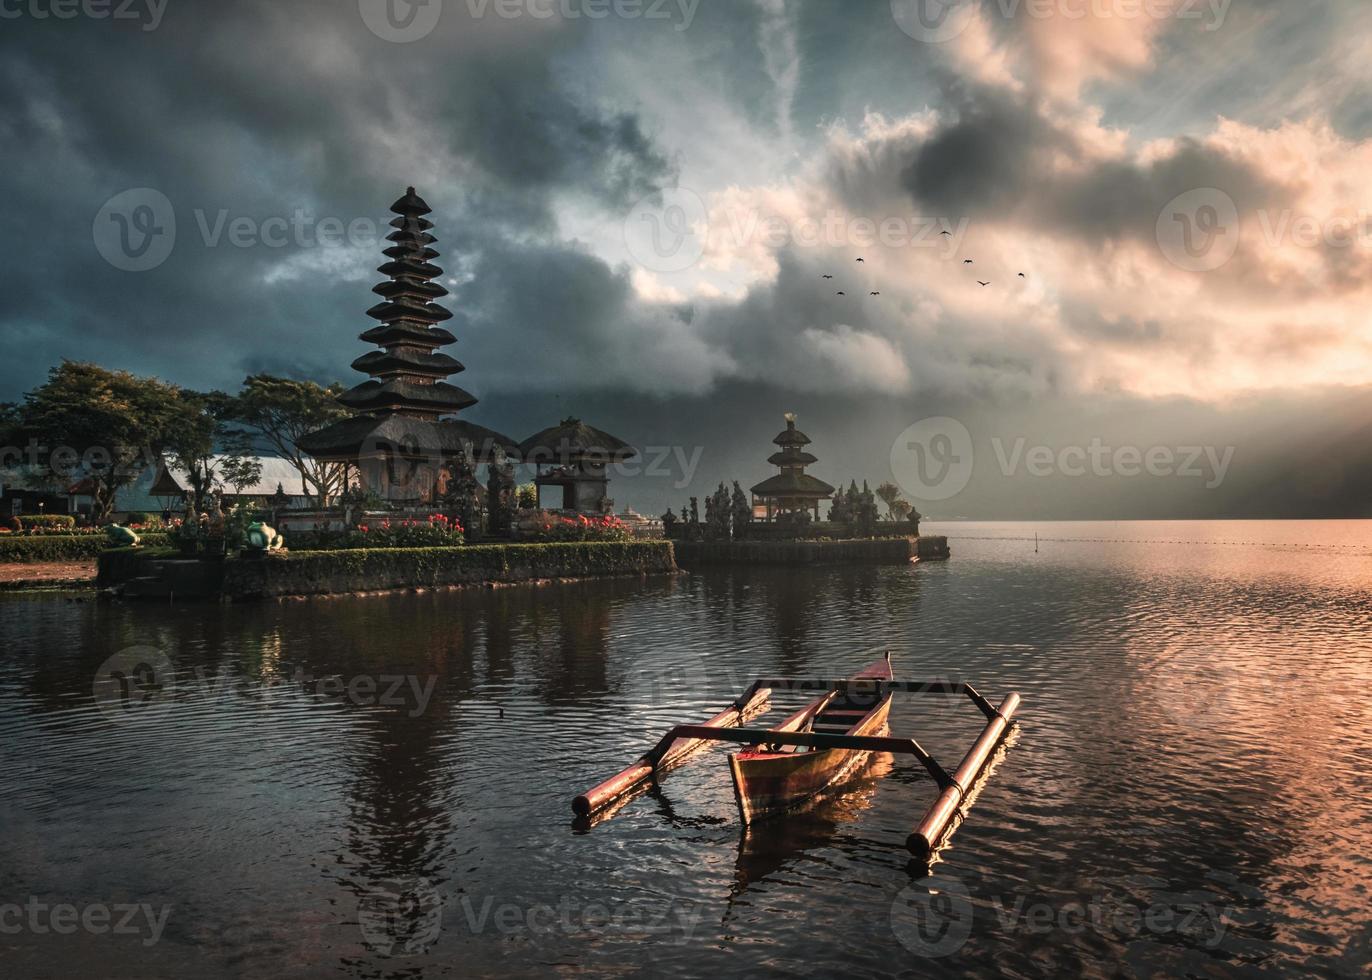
{"x": 437, "y": 530}
{"x": 543, "y": 525}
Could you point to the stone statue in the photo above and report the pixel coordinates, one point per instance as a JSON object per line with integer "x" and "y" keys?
{"x": 500, "y": 497}
{"x": 262, "y": 537}
{"x": 122, "y": 537}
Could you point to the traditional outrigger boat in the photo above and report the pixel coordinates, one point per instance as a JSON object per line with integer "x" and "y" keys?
{"x": 828, "y": 740}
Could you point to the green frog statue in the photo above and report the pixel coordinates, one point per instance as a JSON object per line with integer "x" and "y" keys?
{"x": 263, "y": 537}
{"x": 122, "y": 537}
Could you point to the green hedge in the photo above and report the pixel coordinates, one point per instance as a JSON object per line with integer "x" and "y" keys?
{"x": 374, "y": 569}
{"x": 58, "y": 521}
{"x": 27, "y": 549}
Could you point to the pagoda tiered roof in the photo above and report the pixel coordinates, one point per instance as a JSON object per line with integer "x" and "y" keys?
{"x": 406, "y": 374}
{"x": 792, "y": 483}
{"x": 792, "y": 456}
{"x": 791, "y": 436}
{"x": 407, "y": 391}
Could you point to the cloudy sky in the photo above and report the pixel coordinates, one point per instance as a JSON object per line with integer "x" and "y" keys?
{"x": 638, "y": 201}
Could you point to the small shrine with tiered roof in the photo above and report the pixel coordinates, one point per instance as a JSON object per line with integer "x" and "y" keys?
{"x": 792, "y": 490}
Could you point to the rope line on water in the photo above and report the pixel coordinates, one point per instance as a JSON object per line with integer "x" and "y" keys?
{"x": 1199, "y": 543}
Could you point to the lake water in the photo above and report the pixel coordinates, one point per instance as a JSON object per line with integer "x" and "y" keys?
{"x": 371, "y": 787}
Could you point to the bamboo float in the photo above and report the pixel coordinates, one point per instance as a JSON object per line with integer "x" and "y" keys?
{"x": 930, "y": 831}
{"x": 671, "y": 751}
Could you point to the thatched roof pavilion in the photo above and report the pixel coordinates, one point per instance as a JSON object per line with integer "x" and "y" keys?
{"x": 574, "y": 456}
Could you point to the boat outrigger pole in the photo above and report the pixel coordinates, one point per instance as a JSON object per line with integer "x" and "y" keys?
{"x": 670, "y": 752}
{"x": 954, "y": 787}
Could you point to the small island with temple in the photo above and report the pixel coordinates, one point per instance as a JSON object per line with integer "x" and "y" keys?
{"x": 783, "y": 523}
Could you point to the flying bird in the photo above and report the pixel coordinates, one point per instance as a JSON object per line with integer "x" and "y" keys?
{"x": 828, "y": 277}
{"x": 840, "y": 293}
{"x": 874, "y": 294}
{"x": 860, "y": 260}
{"x": 966, "y": 261}
{"x": 947, "y": 233}
{"x": 1023, "y": 276}
{"x": 980, "y": 283}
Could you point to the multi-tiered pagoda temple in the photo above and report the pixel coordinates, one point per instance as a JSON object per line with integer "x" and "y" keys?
{"x": 403, "y": 435}
{"x": 792, "y": 490}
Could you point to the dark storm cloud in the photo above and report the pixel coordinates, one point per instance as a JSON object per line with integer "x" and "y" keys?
{"x": 258, "y": 110}
{"x": 998, "y": 156}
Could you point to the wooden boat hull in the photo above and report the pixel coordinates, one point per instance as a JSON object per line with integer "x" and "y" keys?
{"x": 770, "y": 783}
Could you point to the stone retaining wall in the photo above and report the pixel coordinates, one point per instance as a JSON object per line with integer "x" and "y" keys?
{"x": 383, "y": 569}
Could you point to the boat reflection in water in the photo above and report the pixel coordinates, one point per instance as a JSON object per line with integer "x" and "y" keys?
{"x": 771, "y": 846}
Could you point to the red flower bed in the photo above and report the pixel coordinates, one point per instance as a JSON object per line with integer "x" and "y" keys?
{"x": 545, "y": 526}
{"x": 437, "y": 530}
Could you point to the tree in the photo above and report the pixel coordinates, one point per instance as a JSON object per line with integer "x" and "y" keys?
{"x": 104, "y": 426}
{"x": 239, "y": 471}
{"x": 717, "y": 515}
{"x": 212, "y": 453}
{"x": 742, "y": 512}
{"x": 462, "y": 495}
{"x": 527, "y": 496}
{"x": 282, "y": 412}
{"x": 889, "y": 493}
